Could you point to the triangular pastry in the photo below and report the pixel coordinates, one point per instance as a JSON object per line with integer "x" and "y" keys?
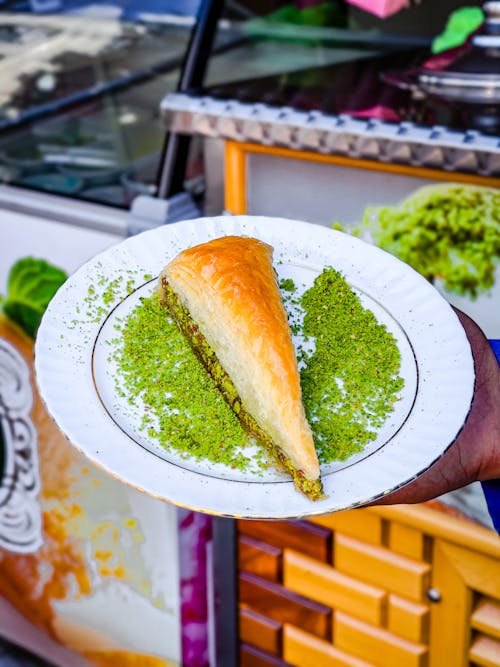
{"x": 225, "y": 298}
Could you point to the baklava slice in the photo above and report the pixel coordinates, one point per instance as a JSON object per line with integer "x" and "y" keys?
{"x": 225, "y": 299}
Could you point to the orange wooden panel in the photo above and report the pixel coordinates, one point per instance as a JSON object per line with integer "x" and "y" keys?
{"x": 283, "y": 605}
{"x": 301, "y": 536}
{"x": 406, "y": 541}
{"x": 369, "y": 642}
{"x": 260, "y": 558}
{"x": 449, "y": 638}
{"x": 250, "y": 656}
{"x": 260, "y": 631}
{"x": 356, "y": 523}
{"x": 301, "y": 648}
{"x": 323, "y": 583}
{"x": 486, "y": 617}
{"x": 235, "y": 179}
{"x": 479, "y": 572}
{"x": 435, "y": 523}
{"x": 485, "y": 652}
{"x": 408, "y": 619}
{"x": 345, "y": 161}
{"x": 382, "y": 567}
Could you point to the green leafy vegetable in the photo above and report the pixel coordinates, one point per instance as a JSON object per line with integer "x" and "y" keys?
{"x": 446, "y": 232}
{"x": 31, "y": 285}
{"x": 460, "y": 25}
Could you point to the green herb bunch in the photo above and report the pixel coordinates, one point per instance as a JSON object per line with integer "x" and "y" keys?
{"x": 446, "y": 232}
{"x": 31, "y": 284}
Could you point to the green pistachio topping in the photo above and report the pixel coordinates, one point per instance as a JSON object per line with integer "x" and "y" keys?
{"x": 208, "y": 358}
{"x": 449, "y": 233}
{"x": 287, "y": 285}
{"x": 184, "y": 411}
{"x": 350, "y": 382}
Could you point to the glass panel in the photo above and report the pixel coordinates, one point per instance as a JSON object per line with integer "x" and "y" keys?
{"x": 336, "y": 57}
{"x": 279, "y": 37}
{"x": 268, "y": 47}
{"x": 79, "y": 96}
{"x": 289, "y": 53}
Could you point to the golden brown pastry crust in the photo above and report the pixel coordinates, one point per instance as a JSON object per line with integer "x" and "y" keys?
{"x": 229, "y": 287}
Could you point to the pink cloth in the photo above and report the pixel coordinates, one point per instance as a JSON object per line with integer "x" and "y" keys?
{"x": 381, "y": 8}
{"x": 195, "y": 534}
{"x": 378, "y": 111}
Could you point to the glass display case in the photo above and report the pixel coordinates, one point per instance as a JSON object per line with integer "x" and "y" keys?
{"x": 121, "y": 116}
{"x": 79, "y": 110}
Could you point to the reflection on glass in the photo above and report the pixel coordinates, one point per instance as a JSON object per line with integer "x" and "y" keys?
{"x": 80, "y": 90}
{"x": 85, "y": 95}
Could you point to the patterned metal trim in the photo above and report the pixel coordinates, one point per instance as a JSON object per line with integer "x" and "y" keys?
{"x": 20, "y": 514}
{"x": 404, "y": 143}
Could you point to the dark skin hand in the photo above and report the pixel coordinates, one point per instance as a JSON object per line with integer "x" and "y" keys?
{"x": 475, "y": 454}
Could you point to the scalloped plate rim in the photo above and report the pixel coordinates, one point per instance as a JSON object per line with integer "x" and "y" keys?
{"x": 355, "y": 485}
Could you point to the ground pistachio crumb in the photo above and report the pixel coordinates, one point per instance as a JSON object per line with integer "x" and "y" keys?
{"x": 104, "y": 293}
{"x": 290, "y": 302}
{"x": 184, "y": 410}
{"x": 446, "y": 232}
{"x": 350, "y": 381}
{"x": 287, "y": 285}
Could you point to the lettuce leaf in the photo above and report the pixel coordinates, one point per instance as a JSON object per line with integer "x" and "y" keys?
{"x": 30, "y": 286}
{"x": 447, "y": 232}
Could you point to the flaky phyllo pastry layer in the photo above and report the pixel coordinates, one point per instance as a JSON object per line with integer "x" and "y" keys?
{"x": 225, "y": 299}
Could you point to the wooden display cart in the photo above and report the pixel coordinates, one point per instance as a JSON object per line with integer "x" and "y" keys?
{"x": 393, "y": 586}
{"x": 400, "y": 586}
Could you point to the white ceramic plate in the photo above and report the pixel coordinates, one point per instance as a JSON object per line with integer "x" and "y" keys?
{"x": 77, "y": 378}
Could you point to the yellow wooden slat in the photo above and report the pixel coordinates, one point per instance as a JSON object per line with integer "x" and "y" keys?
{"x": 486, "y": 617}
{"x": 438, "y": 524}
{"x": 301, "y": 648}
{"x": 362, "y": 163}
{"x": 323, "y": 583}
{"x": 259, "y": 630}
{"x": 450, "y": 627}
{"x": 356, "y": 523}
{"x": 371, "y": 643}
{"x": 479, "y": 572}
{"x": 485, "y": 652}
{"x": 406, "y": 540}
{"x": 408, "y": 619}
{"x": 381, "y": 567}
{"x": 235, "y": 178}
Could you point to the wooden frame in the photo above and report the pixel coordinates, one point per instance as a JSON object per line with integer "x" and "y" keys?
{"x": 236, "y": 170}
